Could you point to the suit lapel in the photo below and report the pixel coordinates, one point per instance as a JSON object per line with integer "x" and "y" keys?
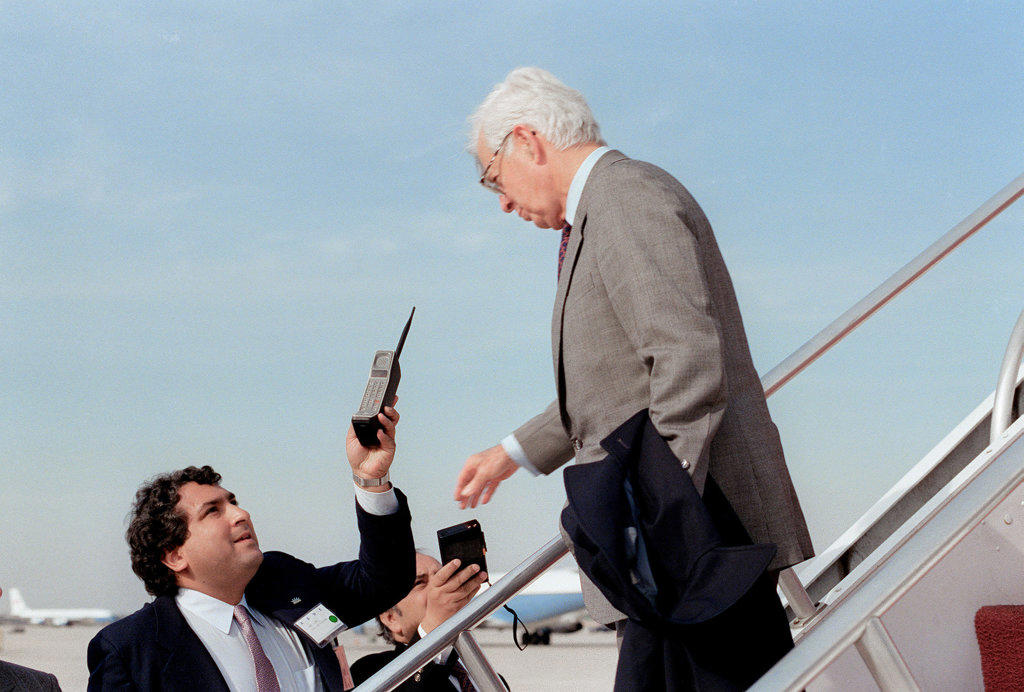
{"x": 187, "y": 665}
{"x": 572, "y": 252}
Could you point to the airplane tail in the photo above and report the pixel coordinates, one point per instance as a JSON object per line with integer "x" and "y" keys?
{"x": 18, "y": 605}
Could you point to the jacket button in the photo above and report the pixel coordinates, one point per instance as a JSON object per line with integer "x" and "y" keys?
{"x": 686, "y": 464}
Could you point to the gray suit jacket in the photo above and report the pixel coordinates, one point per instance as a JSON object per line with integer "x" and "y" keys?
{"x": 15, "y": 677}
{"x": 645, "y": 317}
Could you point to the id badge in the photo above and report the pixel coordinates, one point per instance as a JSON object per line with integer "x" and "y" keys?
{"x": 320, "y": 625}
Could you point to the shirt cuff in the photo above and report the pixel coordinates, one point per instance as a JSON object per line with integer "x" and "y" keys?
{"x": 515, "y": 450}
{"x": 379, "y": 504}
{"x": 442, "y": 657}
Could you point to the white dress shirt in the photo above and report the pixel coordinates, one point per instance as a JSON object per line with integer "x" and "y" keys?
{"x": 572, "y": 202}
{"x": 214, "y": 623}
{"x": 380, "y": 504}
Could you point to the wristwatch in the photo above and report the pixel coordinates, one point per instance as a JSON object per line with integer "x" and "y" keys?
{"x": 371, "y": 482}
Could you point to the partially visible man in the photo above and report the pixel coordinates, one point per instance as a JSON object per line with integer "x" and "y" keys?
{"x": 645, "y": 317}
{"x": 229, "y": 617}
{"x": 15, "y": 677}
{"x": 438, "y": 593}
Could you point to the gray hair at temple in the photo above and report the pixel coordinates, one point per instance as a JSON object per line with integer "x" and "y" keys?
{"x": 533, "y": 97}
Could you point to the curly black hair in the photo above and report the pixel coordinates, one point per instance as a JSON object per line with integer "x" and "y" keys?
{"x": 156, "y": 526}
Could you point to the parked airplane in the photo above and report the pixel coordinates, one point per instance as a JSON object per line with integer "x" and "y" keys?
{"x": 551, "y": 603}
{"x": 55, "y": 616}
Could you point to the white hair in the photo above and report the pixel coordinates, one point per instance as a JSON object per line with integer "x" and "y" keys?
{"x": 533, "y": 97}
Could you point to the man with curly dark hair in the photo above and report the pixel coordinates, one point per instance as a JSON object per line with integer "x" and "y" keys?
{"x": 229, "y": 617}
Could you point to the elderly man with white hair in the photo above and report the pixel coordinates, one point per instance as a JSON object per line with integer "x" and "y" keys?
{"x": 645, "y": 319}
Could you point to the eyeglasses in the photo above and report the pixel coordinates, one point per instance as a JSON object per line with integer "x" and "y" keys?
{"x": 492, "y": 184}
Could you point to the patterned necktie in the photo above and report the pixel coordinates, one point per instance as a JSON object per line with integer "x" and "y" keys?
{"x": 562, "y": 247}
{"x": 266, "y": 679}
{"x": 462, "y": 675}
{"x": 347, "y": 683}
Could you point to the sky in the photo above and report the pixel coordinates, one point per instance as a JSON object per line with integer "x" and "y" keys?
{"x": 212, "y": 214}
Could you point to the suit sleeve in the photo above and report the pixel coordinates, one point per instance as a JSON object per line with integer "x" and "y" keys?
{"x": 107, "y": 669}
{"x": 544, "y": 440}
{"x": 649, "y": 260}
{"x": 384, "y": 573}
{"x": 364, "y": 668}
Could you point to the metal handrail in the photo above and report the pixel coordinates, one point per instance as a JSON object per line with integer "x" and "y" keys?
{"x": 835, "y": 332}
{"x": 476, "y": 664}
{"x": 486, "y": 603}
{"x": 796, "y": 595}
{"x": 842, "y": 326}
{"x": 883, "y": 660}
{"x": 472, "y": 614}
{"x": 1002, "y": 403}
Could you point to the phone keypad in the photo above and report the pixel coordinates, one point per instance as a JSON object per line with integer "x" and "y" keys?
{"x": 373, "y": 395}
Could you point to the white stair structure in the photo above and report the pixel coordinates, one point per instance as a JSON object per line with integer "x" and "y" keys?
{"x": 897, "y": 612}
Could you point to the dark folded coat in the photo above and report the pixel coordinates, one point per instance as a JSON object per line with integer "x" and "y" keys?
{"x": 703, "y": 612}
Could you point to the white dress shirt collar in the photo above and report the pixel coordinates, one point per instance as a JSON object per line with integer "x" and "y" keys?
{"x": 216, "y": 612}
{"x": 212, "y": 610}
{"x": 213, "y": 622}
{"x": 579, "y": 180}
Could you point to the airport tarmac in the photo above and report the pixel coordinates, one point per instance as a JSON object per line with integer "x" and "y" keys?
{"x": 583, "y": 661}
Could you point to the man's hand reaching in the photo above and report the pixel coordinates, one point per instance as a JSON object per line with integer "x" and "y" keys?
{"x": 481, "y": 475}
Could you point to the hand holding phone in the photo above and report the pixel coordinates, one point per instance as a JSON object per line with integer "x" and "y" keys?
{"x": 373, "y": 462}
{"x": 381, "y": 390}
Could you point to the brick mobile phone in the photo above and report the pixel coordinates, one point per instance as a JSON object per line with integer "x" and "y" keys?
{"x": 380, "y": 391}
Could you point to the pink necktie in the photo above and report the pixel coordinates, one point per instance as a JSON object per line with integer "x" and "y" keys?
{"x": 346, "y": 675}
{"x": 266, "y": 679}
{"x": 562, "y": 247}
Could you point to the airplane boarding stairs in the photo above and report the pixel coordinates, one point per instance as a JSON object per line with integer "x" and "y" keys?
{"x": 891, "y": 603}
{"x": 969, "y": 439}
{"x": 897, "y": 593}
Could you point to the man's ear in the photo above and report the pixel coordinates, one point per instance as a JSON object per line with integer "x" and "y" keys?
{"x": 390, "y": 619}
{"x": 175, "y": 561}
{"x": 533, "y": 146}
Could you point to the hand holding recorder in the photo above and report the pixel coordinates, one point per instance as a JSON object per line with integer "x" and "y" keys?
{"x": 448, "y": 590}
{"x": 462, "y": 546}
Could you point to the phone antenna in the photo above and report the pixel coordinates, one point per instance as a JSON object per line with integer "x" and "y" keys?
{"x": 405, "y": 332}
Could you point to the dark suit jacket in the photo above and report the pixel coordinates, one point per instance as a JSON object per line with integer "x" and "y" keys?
{"x": 154, "y": 648}
{"x": 431, "y": 678}
{"x": 21, "y": 679}
{"x": 703, "y": 613}
{"x": 645, "y": 317}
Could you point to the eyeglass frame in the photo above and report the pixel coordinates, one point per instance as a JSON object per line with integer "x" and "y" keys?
{"x": 493, "y": 185}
